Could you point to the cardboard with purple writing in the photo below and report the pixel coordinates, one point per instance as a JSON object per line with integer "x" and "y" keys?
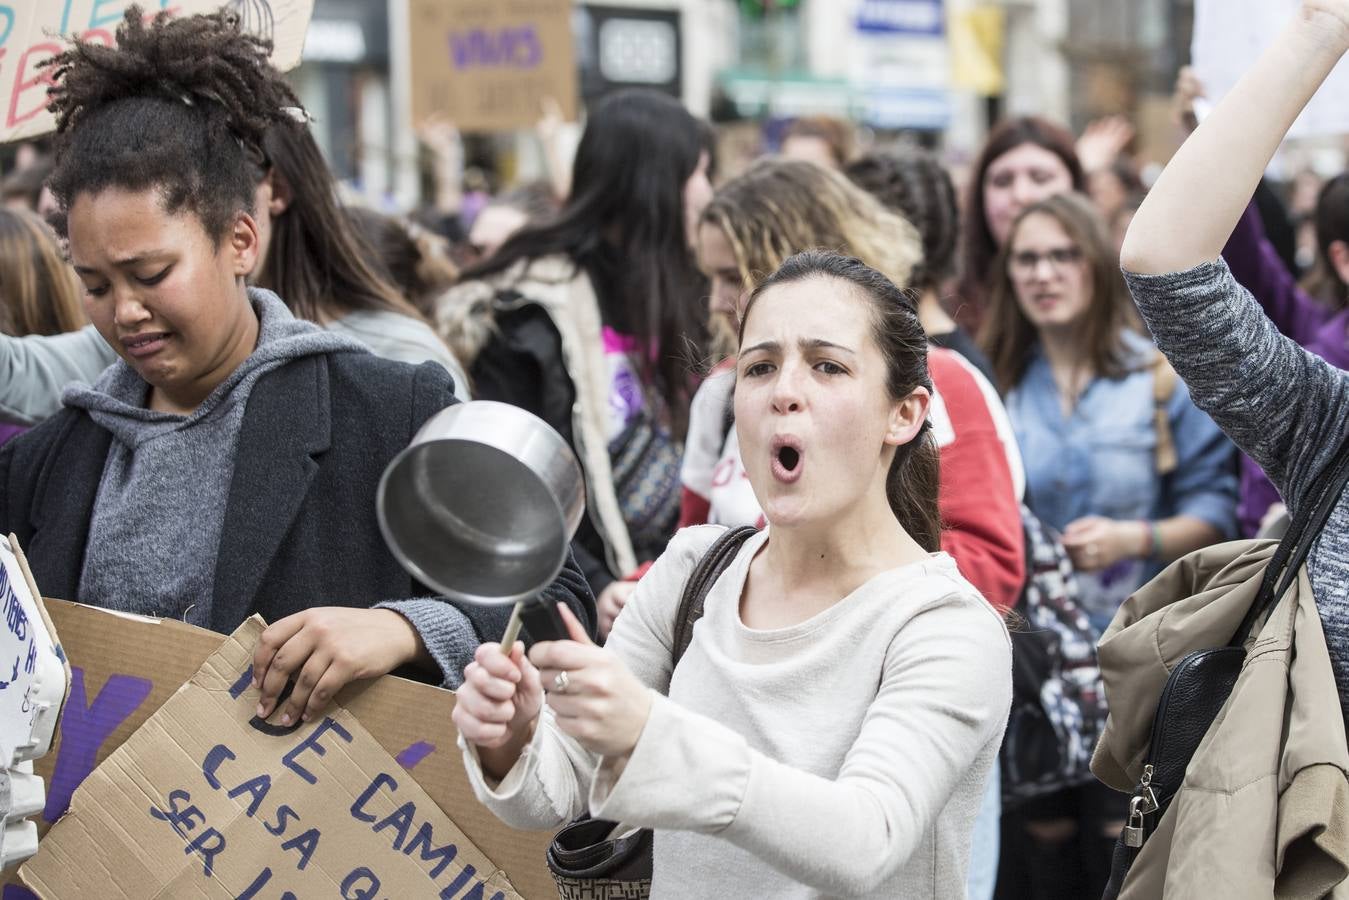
{"x": 487, "y": 65}
{"x": 30, "y": 32}
{"x": 125, "y": 667}
{"x": 206, "y": 800}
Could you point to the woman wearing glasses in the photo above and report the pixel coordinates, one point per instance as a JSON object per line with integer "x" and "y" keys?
{"x": 1090, "y": 400}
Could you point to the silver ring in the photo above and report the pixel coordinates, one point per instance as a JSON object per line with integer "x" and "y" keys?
{"x": 560, "y": 682}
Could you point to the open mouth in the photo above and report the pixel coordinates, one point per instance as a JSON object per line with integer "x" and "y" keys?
{"x": 787, "y": 460}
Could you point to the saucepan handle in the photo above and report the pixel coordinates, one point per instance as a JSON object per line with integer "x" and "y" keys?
{"x": 540, "y": 617}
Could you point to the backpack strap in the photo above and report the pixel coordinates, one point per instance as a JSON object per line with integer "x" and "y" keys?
{"x": 1163, "y": 387}
{"x": 700, "y": 581}
{"x": 1296, "y": 543}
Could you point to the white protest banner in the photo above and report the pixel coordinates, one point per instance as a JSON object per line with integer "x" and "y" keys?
{"x": 1228, "y": 37}
{"x": 31, "y": 31}
{"x": 34, "y": 681}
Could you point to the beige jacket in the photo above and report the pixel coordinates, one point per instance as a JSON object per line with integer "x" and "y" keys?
{"x": 1264, "y": 808}
{"x": 465, "y": 317}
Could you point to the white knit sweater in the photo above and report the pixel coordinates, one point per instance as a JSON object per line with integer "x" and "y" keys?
{"x": 843, "y": 756}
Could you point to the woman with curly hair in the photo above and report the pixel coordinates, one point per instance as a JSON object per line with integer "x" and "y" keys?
{"x": 226, "y": 464}
{"x": 752, "y": 225}
{"x": 309, "y": 254}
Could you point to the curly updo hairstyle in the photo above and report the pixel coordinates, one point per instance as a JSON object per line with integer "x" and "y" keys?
{"x": 180, "y": 105}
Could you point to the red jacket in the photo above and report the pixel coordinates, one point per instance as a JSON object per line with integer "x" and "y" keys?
{"x": 978, "y": 497}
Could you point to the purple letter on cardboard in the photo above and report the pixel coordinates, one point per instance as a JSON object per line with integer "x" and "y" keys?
{"x": 84, "y": 729}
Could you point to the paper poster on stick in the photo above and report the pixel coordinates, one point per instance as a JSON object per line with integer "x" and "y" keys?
{"x": 1229, "y": 35}
{"x": 31, "y": 31}
{"x": 488, "y": 65}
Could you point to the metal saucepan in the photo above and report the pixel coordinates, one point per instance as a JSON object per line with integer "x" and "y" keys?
{"x": 482, "y": 506}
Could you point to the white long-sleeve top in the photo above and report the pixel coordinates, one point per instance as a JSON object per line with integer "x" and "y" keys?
{"x": 842, "y": 756}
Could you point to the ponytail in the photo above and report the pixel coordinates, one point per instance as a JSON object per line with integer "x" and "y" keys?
{"x": 911, "y": 487}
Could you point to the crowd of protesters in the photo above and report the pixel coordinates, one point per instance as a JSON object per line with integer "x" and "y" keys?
{"x": 906, "y": 386}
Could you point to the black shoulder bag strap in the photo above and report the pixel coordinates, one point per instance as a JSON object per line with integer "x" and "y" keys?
{"x": 1293, "y": 549}
{"x": 585, "y": 858}
{"x": 704, "y": 575}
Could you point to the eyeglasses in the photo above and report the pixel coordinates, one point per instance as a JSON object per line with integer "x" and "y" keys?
{"x": 1027, "y": 262}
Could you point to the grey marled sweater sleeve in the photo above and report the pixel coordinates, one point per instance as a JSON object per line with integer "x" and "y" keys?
{"x": 447, "y": 633}
{"x": 1286, "y": 408}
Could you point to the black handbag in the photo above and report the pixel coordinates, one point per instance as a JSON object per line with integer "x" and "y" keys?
{"x": 1200, "y": 684}
{"x": 589, "y": 860}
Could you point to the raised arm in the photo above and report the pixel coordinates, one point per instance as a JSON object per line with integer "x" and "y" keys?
{"x": 1281, "y": 405}
{"x": 1196, "y": 202}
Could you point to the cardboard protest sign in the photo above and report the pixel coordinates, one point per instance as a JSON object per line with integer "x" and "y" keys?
{"x": 207, "y": 800}
{"x": 30, "y": 32}
{"x": 124, "y": 667}
{"x": 487, "y": 65}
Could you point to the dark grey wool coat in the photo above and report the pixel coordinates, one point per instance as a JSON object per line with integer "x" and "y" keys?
{"x": 300, "y": 528}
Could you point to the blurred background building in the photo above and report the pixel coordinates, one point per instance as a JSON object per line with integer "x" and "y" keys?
{"x": 936, "y": 71}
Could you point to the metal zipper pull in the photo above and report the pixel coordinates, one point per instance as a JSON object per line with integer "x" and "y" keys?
{"x": 1145, "y": 791}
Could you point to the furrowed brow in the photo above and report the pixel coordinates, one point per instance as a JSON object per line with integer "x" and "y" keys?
{"x": 821, "y": 344}
{"x": 764, "y": 347}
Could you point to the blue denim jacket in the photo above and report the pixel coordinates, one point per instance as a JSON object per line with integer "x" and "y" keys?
{"x": 1101, "y": 461}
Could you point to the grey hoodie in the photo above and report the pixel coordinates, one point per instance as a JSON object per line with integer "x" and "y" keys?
{"x": 155, "y": 528}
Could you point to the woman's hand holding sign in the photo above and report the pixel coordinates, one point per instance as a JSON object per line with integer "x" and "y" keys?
{"x": 324, "y": 649}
